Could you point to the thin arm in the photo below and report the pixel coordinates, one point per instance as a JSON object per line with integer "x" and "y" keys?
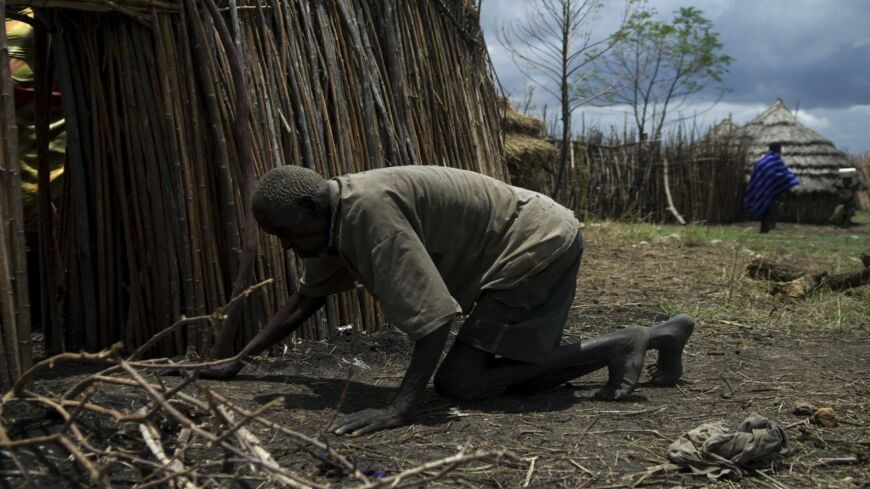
{"x": 285, "y": 322}
{"x": 427, "y": 352}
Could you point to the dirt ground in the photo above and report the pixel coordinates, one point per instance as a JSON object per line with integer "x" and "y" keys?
{"x": 565, "y": 437}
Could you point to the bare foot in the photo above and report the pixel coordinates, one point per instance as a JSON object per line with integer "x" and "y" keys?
{"x": 669, "y": 338}
{"x": 624, "y": 370}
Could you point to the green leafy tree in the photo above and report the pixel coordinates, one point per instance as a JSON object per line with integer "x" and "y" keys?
{"x": 554, "y": 47}
{"x": 663, "y": 67}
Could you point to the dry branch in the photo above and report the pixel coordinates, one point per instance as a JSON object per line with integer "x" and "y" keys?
{"x": 206, "y": 434}
{"x": 764, "y": 269}
{"x": 796, "y": 283}
{"x": 666, "y": 183}
{"x": 226, "y": 433}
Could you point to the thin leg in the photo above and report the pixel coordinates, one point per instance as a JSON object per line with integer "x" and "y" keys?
{"x": 471, "y": 373}
{"x": 669, "y": 338}
{"x": 766, "y": 222}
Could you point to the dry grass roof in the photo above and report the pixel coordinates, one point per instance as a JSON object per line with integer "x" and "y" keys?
{"x": 529, "y": 150}
{"x": 517, "y": 123}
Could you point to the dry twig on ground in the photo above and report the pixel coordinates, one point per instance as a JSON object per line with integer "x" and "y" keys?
{"x": 796, "y": 283}
{"x": 207, "y": 434}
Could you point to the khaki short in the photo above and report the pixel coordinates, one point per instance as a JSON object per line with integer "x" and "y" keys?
{"x": 525, "y": 323}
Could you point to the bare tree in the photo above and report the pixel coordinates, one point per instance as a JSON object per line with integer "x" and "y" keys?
{"x": 554, "y": 47}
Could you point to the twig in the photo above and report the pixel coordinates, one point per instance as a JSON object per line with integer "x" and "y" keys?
{"x": 838, "y": 461}
{"x": 333, "y": 455}
{"x": 530, "y": 472}
{"x": 296, "y": 481}
{"x": 658, "y": 469}
{"x": 152, "y": 441}
{"x": 338, "y": 406}
{"x": 218, "y": 314}
{"x": 731, "y": 389}
{"x": 423, "y": 482}
{"x": 642, "y": 432}
{"x": 584, "y": 469}
{"x": 27, "y": 376}
{"x": 671, "y": 207}
{"x": 83, "y": 460}
{"x": 801, "y": 422}
{"x": 770, "y": 479}
{"x": 24, "y": 472}
{"x": 589, "y": 426}
{"x": 459, "y": 458}
{"x": 247, "y": 419}
{"x": 254, "y": 442}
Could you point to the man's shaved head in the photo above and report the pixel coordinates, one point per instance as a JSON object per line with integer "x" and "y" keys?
{"x": 287, "y": 190}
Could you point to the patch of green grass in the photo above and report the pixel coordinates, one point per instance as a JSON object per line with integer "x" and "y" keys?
{"x": 749, "y": 304}
{"x": 795, "y": 241}
{"x": 718, "y": 289}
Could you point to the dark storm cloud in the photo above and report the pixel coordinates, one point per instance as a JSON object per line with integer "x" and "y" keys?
{"x": 813, "y": 51}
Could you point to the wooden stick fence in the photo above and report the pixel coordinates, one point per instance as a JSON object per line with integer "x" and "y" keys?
{"x": 154, "y": 213}
{"x": 706, "y": 180}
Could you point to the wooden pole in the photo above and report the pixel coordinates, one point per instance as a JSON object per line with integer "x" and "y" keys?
{"x": 14, "y": 302}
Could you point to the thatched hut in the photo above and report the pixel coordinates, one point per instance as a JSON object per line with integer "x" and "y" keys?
{"x": 725, "y": 131}
{"x": 814, "y": 159}
{"x": 863, "y": 198}
{"x": 174, "y": 107}
{"x": 530, "y": 158}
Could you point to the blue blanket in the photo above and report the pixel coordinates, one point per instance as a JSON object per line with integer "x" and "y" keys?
{"x": 770, "y": 177}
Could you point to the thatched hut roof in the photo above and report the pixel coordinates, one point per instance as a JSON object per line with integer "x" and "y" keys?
{"x": 517, "y": 123}
{"x": 808, "y": 154}
{"x": 528, "y": 150}
{"x": 725, "y": 130}
{"x": 528, "y": 156}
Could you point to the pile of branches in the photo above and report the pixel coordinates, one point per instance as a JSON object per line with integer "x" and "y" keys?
{"x": 168, "y": 431}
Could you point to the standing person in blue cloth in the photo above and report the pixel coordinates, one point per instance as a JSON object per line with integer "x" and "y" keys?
{"x": 770, "y": 178}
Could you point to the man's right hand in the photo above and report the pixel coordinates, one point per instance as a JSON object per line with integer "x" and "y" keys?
{"x": 224, "y": 371}
{"x": 221, "y": 372}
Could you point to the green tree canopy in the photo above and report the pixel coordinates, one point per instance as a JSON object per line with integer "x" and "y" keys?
{"x": 663, "y": 65}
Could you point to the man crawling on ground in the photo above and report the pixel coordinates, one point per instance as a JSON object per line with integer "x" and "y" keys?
{"x": 433, "y": 244}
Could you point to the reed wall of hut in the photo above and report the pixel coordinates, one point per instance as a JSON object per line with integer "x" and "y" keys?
{"x": 154, "y": 214}
{"x": 15, "y": 347}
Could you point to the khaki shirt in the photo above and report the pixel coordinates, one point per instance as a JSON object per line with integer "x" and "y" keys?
{"x": 427, "y": 240}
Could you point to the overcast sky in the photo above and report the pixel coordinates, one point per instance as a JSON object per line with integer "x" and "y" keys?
{"x": 814, "y": 54}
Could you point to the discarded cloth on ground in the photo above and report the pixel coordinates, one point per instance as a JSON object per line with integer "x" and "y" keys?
{"x": 713, "y": 450}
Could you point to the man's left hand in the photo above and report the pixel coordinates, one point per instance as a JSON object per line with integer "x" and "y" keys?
{"x": 367, "y": 421}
